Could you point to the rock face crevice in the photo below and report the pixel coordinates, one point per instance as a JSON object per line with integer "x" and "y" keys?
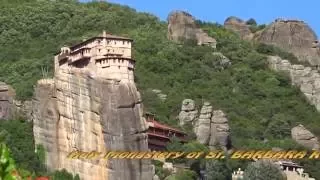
{"x": 76, "y": 112}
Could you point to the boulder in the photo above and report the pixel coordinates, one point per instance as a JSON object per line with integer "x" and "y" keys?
{"x": 210, "y": 126}
{"x": 294, "y": 36}
{"x": 202, "y": 130}
{"x": 182, "y": 26}
{"x": 220, "y": 131}
{"x": 222, "y": 61}
{"x": 188, "y": 113}
{"x": 304, "y": 137}
{"x": 238, "y": 26}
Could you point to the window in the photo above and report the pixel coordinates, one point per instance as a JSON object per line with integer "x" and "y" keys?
{"x": 122, "y": 61}
{"x": 123, "y": 42}
{"x": 119, "y": 67}
{"x": 99, "y": 41}
{"x": 114, "y": 60}
{"x": 115, "y": 42}
{"x": 108, "y": 50}
{"x": 99, "y": 50}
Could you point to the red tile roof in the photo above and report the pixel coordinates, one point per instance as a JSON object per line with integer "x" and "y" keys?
{"x": 165, "y": 127}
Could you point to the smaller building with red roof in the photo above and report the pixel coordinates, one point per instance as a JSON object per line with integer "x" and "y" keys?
{"x": 159, "y": 135}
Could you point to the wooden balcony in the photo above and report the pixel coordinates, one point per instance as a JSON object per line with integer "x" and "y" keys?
{"x": 80, "y": 54}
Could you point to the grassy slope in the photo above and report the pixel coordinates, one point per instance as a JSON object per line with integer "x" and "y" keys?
{"x": 260, "y": 103}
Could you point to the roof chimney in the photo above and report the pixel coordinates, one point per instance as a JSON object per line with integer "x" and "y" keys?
{"x": 104, "y": 33}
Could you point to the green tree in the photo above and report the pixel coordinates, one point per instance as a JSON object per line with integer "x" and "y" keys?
{"x": 64, "y": 175}
{"x": 251, "y": 21}
{"x": 8, "y": 169}
{"x": 263, "y": 170}
{"x": 183, "y": 175}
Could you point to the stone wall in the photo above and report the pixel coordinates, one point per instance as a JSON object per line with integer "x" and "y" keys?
{"x": 77, "y": 112}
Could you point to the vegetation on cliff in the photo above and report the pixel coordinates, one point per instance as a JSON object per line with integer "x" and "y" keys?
{"x": 261, "y": 105}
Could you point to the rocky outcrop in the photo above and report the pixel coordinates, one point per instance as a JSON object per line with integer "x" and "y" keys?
{"x": 188, "y": 112}
{"x": 306, "y": 78}
{"x": 10, "y": 107}
{"x": 222, "y": 62}
{"x": 7, "y": 95}
{"x": 308, "y": 81}
{"x": 238, "y": 26}
{"x": 74, "y": 111}
{"x": 220, "y": 131}
{"x": 203, "y": 125}
{"x": 210, "y": 126}
{"x": 294, "y": 36}
{"x": 23, "y": 108}
{"x": 304, "y": 137}
{"x": 182, "y": 26}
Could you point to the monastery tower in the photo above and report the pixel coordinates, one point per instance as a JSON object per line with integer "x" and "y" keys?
{"x": 105, "y": 56}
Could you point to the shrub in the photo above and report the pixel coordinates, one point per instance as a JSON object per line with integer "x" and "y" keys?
{"x": 265, "y": 170}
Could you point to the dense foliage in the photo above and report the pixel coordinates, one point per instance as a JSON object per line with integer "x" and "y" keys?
{"x": 263, "y": 170}
{"x": 18, "y": 135}
{"x": 261, "y": 105}
{"x": 8, "y": 169}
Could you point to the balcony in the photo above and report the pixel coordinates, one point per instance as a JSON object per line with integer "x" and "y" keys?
{"x": 83, "y": 53}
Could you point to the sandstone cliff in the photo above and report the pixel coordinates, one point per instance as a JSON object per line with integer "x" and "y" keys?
{"x": 182, "y": 26}
{"x": 294, "y": 36}
{"x": 74, "y": 111}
